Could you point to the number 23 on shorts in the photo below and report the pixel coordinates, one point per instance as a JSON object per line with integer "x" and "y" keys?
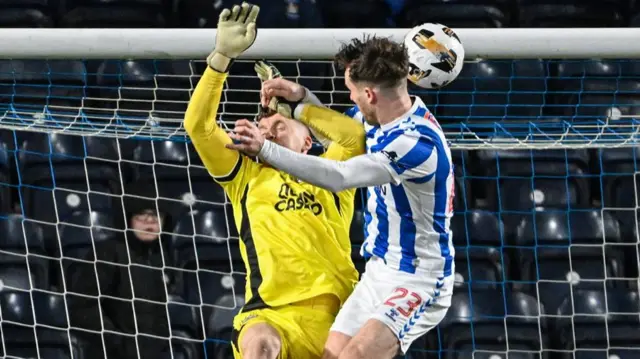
{"x": 404, "y": 301}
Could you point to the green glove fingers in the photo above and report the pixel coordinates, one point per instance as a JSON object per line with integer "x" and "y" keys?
{"x": 236, "y": 32}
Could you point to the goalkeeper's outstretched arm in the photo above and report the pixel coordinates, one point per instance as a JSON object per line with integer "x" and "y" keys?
{"x": 236, "y": 32}
{"x": 200, "y": 123}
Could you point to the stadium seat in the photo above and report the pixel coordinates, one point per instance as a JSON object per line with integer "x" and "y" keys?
{"x": 115, "y": 14}
{"x": 81, "y": 230}
{"x": 220, "y": 326}
{"x": 214, "y": 237}
{"x": 619, "y": 169}
{"x": 584, "y": 91}
{"x": 27, "y": 13}
{"x": 519, "y": 181}
{"x": 51, "y": 339}
{"x": 212, "y": 248}
{"x": 490, "y": 322}
{"x": 358, "y": 14}
{"x": 30, "y": 85}
{"x": 49, "y": 163}
{"x": 22, "y": 245}
{"x": 480, "y": 263}
{"x": 6, "y": 171}
{"x": 463, "y": 171}
{"x": 182, "y": 317}
{"x": 593, "y": 325}
{"x": 457, "y": 13}
{"x": 572, "y": 13}
{"x": 495, "y": 91}
{"x": 356, "y": 233}
{"x": 142, "y": 92}
{"x": 182, "y": 181}
{"x": 559, "y": 250}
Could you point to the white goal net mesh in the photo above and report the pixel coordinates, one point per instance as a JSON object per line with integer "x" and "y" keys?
{"x": 545, "y": 226}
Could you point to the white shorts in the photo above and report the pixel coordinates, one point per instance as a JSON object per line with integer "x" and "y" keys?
{"x": 409, "y": 304}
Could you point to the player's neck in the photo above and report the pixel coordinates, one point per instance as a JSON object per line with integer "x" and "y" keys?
{"x": 390, "y": 110}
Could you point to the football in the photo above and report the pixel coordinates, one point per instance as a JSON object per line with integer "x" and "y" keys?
{"x": 436, "y": 55}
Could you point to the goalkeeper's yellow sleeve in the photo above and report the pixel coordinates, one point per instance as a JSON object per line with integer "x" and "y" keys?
{"x": 338, "y": 128}
{"x": 200, "y": 123}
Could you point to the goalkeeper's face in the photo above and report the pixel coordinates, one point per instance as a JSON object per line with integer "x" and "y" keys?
{"x": 286, "y": 132}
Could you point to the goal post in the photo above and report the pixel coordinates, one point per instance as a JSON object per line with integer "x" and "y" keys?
{"x": 544, "y": 128}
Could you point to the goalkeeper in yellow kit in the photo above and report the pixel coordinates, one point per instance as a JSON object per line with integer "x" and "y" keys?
{"x": 294, "y": 236}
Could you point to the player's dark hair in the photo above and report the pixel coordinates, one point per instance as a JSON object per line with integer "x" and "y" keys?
{"x": 376, "y": 60}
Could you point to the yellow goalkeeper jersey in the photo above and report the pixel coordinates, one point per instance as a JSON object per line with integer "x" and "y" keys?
{"x": 294, "y": 236}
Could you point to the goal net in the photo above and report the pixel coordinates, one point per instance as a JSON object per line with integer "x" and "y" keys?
{"x": 544, "y": 140}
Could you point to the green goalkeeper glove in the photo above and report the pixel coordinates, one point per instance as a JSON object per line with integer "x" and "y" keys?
{"x": 267, "y": 71}
{"x": 236, "y": 33}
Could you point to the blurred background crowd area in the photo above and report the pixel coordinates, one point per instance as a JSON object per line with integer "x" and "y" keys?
{"x": 322, "y": 13}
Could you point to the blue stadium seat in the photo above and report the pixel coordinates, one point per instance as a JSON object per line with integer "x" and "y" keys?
{"x": 30, "y": 85}
{"x": 457, "y": 13}
{"x": 212, "y": 248}
{"x": 495, "y": 91}
{"x": 356, "y": 233}
{"x": 359, "y": 14}
{"x": 491, "y": 322}
{"x": 23, "y": 247}
{"x": 619, "y": 168}
{"x": 595, "y": 89}
{"x": 183, "y": 317}
{"x": 572, "y": 13}
{"x": 133, "y": 90}
{"x": 49, "y": 164}
{"x": 519, "y": 181}
{"x": 115, "y": 13}
{"x": 50, "y": 312}
{"x": 220, "y": 325}
{"x": 283, "y": 14}
{"x": 561, "y": 251}
{"x": 181, "y": 179}
{"x": 463, "y": 199}
{"x": 593, "y": 325}
{"x": 27, "y": 13}
{"x": 6, "y": 170}
{"x": 478, "y": 237}
{"x": 185, "y": 329}
{"x": 81, "y": 230}
{"x": 214, "y": 236}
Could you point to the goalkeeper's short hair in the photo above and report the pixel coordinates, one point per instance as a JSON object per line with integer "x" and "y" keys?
{"x": 376, "y": 60}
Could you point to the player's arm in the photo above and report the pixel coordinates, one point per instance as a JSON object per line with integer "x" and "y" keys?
{"x": 200, "y": 123}
{"x": 341, "y": 130}
{"x": 400, "y": 157}
{"x": 235, "y": 33}
{"x": 343, "y": 136}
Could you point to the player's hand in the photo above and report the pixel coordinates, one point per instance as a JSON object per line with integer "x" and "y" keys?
{"x": 246, "y": 138}
{"x": 277, "y": 94}
{"x": 279, "y": 87}
{"x": 236, "y": 32}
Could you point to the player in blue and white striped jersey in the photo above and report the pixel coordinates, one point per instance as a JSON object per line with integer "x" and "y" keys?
{"x": 410, "y": 224}
{"x": 407, "y": 285}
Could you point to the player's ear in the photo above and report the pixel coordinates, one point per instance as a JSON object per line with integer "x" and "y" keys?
{"x": 371, "y": 95}
{"x": 308, "y": 143}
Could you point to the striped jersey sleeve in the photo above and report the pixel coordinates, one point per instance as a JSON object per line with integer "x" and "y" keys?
{"x": 407, "y": 156}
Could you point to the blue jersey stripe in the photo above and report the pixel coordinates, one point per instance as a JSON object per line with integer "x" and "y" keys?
{"x": 443, "y": 168}
{"x": 407, "y": 229}
{"x": 384, "y": 140}
{"x": 352, "y": 112}
{"x": 382, "y": 240}
{"x": 415, "y": 157}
